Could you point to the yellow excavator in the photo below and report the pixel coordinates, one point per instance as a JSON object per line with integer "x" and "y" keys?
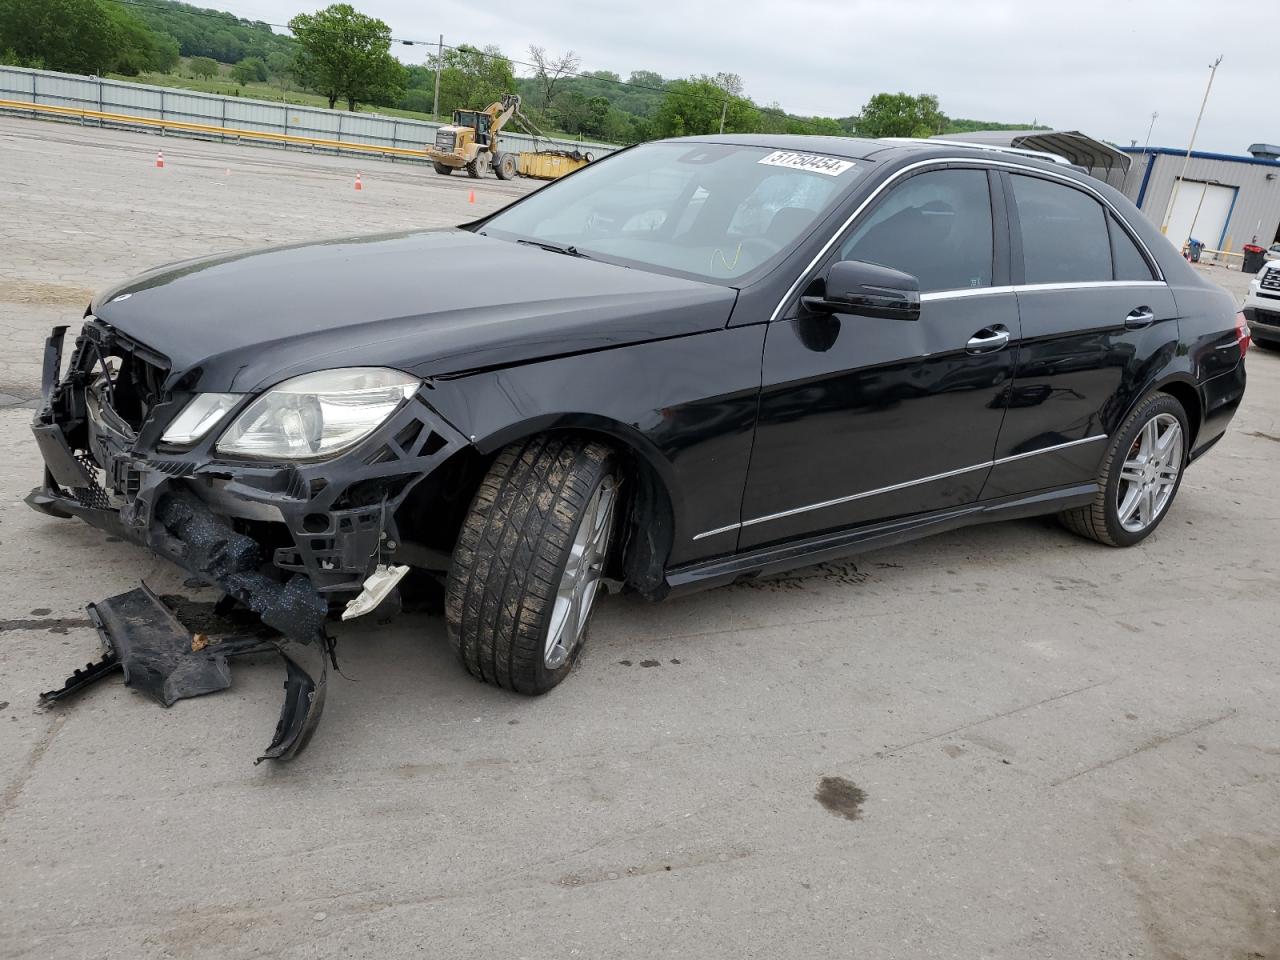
{"x": 472, "y": 143}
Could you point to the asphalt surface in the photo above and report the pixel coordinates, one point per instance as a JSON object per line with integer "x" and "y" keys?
{"x": 1003, "y": 742}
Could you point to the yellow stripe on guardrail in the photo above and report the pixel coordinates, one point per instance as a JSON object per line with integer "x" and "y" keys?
{"x": 209, "y": 128}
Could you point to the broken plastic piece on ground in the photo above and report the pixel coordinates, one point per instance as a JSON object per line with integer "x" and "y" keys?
{"x": 155, "y": 649}
{"x": 90, "y": 673}
{"x": 376, "y": 588}
{"x": 161, "y": 658}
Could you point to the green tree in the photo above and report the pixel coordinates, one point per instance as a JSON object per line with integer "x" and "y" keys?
{"x": 472, "y": 78}
{"x": 646, "y": 78}
{"x": 136, "y": 47}
{"x": 345, "y": 55}
{"x": 205, "y": 67}
{"x": 77, "y": 36}
{"x": 694, "y": 106}
{"x": 900, "y": 115}
{"x": 250, "y": 70}
{"x": 280, "y": 68}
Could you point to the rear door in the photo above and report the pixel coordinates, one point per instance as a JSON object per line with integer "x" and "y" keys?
{"x": 1094, "y": 318}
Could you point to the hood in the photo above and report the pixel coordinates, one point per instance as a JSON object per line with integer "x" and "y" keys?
{"x": 428, "y": 302}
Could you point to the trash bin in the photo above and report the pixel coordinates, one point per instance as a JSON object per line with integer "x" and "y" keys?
{"x": 1194, "y": 249}
{"x": 1254, "y": 257}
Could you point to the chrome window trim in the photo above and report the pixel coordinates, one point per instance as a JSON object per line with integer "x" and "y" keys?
{"x": 982, "y": 162}
{"x": 900, "y": 486}
{"x": 1034, "y": 288}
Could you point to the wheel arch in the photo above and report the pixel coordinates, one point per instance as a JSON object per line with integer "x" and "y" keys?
{"x": 1186, "y": 392}
{"x": 648, "y": 530}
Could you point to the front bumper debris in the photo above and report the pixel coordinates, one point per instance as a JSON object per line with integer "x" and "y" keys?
{"x": 289, "y": 542}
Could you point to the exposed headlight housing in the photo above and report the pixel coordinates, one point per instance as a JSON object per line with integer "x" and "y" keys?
{"x": 201, "y": 414}
{"x": 318, "y": 414}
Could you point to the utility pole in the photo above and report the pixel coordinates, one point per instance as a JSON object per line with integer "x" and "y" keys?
{"x": 1213, "y": 69}
{"x": 724, "y": 111}
{"x": 1149, "y": 129}
{"x": 435, "y": 106}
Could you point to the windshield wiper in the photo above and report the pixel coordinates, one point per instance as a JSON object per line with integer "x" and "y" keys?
{"x": 568, "y": 251}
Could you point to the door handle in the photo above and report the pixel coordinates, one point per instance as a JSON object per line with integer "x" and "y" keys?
{"x": 987, "y": 340}
{"x": 1139, "y": 317}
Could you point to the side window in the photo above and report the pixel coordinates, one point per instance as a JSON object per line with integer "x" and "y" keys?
{"x": 1130, "y": 263}
{"x": 935, "y": 226}
{"x": 1064, "y": 233}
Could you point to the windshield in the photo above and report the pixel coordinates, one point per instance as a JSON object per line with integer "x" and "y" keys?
{"x": 712, "y": 211}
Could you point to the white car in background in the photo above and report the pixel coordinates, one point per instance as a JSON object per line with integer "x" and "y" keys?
{"x": 1262, "y": 304}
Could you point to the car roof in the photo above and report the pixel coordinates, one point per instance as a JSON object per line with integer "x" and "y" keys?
{"x": 862, "y": 148}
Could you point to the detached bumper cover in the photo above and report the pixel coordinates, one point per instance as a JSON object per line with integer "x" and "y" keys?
{"x": 287, "y": 541}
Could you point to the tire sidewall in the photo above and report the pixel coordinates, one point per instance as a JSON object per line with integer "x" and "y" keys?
{"x": 1162, "y": 403}
{"x": 547, "y": 677}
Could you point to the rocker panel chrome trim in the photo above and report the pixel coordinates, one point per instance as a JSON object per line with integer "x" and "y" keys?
{"x": 898, "y": 486}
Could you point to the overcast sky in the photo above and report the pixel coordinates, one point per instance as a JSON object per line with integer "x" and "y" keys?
{"x": 1100, "y": 67}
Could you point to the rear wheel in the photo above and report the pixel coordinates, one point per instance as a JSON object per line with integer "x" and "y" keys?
{"x": 529, "y": 561}
{"x": 1140, "y": 475}
{"x": 442, "y": 169}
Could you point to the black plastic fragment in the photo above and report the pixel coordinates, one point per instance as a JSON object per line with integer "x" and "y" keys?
{"x": 90, "y": 673}
{"x": 155, "y": 649}
{"x": 212, "y": 549}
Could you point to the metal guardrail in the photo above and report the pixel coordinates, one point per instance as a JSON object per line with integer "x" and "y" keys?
{"x": 187, "y": 112}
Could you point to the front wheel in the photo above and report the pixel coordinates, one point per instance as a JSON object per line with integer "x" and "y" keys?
{"x": 442, "y": 169}
{"x": 1140, "y": 475}
{"x": 529, "y": 561}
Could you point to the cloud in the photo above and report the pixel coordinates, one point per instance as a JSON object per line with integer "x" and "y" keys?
{"x": 1101, "y": 66}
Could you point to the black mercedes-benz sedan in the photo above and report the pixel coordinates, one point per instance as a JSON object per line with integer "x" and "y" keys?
{"x": 693, "y": 361}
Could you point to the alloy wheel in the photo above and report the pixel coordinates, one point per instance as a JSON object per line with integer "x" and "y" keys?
{"x": 581, "y": 579}
{"x": 1150, "y": 473}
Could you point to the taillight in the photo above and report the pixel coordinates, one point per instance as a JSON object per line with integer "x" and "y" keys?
{"x": 1243, "y": 339}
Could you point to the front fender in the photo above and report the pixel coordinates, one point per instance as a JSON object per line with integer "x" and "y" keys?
{"x": 685, "y": 406}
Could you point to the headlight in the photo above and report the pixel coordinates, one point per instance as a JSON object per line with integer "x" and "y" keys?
{"x": 318, "y": 414}
{"x": 199, "y": 416}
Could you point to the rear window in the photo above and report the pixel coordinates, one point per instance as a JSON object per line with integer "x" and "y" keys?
{"x": 1064, "y": 233}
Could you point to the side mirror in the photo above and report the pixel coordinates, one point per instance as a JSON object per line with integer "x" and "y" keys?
{"x": 868, "y": 290}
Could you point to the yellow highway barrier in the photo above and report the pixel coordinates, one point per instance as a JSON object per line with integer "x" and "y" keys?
{"x": 209, "y": 128}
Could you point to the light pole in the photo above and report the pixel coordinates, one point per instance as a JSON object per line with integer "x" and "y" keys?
{"x": 1213, "y": 69}
{"x": 1154, "y": 114}
{"x": 435, "y": 104}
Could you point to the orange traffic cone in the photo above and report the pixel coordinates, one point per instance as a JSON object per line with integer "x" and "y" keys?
{"x": 471, "y": 197}
{"x": 359, "y": 185}
{"x": 159, "y": 158}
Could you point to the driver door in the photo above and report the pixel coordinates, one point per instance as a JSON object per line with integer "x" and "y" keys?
{"x": 865, "y": 419}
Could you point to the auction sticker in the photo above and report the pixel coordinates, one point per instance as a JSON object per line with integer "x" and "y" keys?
{"x": 813, "y": 162}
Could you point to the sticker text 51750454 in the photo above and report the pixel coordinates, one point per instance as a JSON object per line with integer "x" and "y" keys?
{"x": 813, "y": 162}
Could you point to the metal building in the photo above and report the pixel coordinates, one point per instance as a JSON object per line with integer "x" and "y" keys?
{"x": 1225, "y": 201}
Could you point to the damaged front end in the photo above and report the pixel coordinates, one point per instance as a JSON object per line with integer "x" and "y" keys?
{"x": 292, "y": 542}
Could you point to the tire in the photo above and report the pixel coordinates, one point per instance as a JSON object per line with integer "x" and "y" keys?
{"x": 442, "y": 169}
{"x": 1104, "y": 520}
{"x": 504, "y": 166}
{"x": 504, "y": 593}
{"x": 473, "y": 169}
